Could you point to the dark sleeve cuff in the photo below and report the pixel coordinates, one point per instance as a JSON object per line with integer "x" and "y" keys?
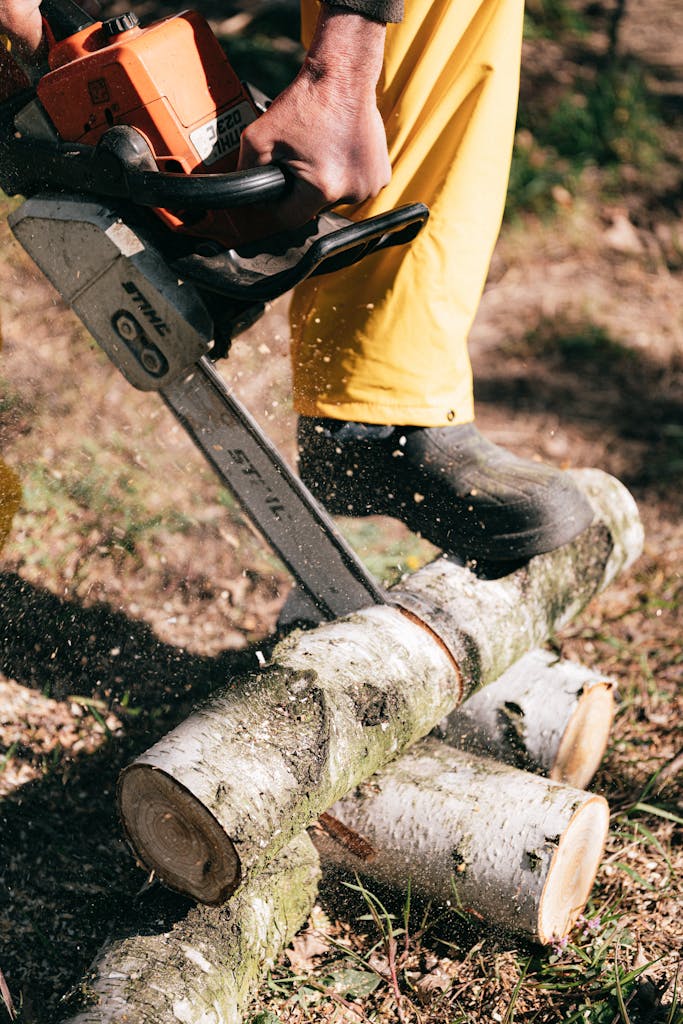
{"x": 377, "y": 10}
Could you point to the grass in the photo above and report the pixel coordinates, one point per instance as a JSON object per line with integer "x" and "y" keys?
{"x": 606, "y": 117}
{"x": 11, "y": 400}
{"x": 611, "y": 118}
{"x": 575, "y": 341}
{"x": 539, "y": 178}
{"x": 92, "y": 504}
{"x": 596, "y": 975}
{"x": 546, "y": 19}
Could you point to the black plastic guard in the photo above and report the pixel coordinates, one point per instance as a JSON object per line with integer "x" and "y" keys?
{"x": 270, "y": 267}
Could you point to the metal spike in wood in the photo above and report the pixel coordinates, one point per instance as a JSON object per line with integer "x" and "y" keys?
{"x": 545, "y": 714}
{"x": 205, "y": 968}
{"x": 215, "y": 800}
{"x": 515, "y": 849}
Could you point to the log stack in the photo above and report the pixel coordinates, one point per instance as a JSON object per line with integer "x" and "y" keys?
{"x": 469, "y": 826}
{"x": 212, "y": 805}
{"x": 214, "y": 801}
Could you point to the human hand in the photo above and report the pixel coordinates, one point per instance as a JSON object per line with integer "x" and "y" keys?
{"x": 325, "y": 128}
{"x": 21, "y": 22}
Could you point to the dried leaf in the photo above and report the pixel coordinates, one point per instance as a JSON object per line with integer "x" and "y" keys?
{"x": 306, "y": 947}
{"x": 430, "y": 985}
{"x": 351, "y": 983}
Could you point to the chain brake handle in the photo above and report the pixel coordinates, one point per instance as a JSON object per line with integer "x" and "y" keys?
{"x": 263, "y": 270}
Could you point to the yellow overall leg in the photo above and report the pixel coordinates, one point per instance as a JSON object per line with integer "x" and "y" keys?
{"x": 386, "y": 341}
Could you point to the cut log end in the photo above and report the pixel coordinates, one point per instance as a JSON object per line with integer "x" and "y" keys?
{"x": 546, "y": 715}
{"x": 182, "y": 840}
{"x": 573, "y": 869}
{"x": 585, "y": 737}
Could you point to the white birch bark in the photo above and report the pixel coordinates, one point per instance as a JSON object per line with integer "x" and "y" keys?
{"x": 489, "y": 624}
{"x": 207, "y": 966}
{"x": 516, "y": 849}
{"x": 546, "y": 715}
{"x": 213, "y": 801}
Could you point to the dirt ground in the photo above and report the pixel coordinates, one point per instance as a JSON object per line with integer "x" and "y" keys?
{"x": 131, "y": 586}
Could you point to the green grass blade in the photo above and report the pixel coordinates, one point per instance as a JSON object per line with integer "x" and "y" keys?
{"x": 658, "y": 812}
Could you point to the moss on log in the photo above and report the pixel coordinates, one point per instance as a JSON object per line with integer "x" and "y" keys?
{"x": 217, "y": 798}
{"x": 207, "y": 966}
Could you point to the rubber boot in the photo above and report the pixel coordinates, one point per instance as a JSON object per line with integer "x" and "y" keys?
{"x": 465, "y": 494}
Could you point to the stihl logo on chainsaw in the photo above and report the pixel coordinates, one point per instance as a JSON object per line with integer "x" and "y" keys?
{"x": 147, "y": 309}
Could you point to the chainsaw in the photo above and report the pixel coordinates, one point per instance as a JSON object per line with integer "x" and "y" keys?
{"x": 125, "y": 153}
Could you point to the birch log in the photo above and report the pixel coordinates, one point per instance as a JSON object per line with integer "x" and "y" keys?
{"x": 488, "y": 625}
{"x": 518, "y": 850}
{"x": 544, "y": 714}
{"x": 208, "y": 965}
{"x": 216, "y": 799}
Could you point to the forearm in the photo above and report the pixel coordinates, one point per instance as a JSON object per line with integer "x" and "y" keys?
{"x": 346, "y": 53}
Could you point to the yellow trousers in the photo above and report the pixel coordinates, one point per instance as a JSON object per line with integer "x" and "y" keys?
{"x": 386, "y": 341}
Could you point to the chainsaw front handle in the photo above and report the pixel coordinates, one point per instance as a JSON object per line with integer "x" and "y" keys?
{"x": 207, "y": 191}
{"x": 263, "y": 270}
{"x": 28, "y": 166}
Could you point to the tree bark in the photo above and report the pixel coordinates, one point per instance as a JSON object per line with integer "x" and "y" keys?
{"x": 487, "y": 625}
{"x": 545, "y": 715}
{"x": 207, "y": 966}
{"x": 217, "y": 798}
{"x": 515, "y": 849}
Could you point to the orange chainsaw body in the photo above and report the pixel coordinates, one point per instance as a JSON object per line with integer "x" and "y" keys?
{"x": 170, "y": 81}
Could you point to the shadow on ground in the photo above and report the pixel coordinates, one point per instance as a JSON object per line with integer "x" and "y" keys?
{"x": 68, "y": 880}
{"x": 597, "y": 383}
